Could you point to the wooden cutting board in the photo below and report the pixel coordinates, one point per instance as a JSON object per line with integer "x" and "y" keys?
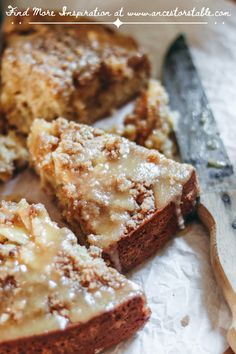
{"x": 217, "y": 211}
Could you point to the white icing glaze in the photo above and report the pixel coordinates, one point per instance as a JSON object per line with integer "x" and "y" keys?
{"x": 179, "y": 214}
{"x": 114, "y": 257}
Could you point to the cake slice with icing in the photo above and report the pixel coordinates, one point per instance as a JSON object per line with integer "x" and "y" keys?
{"x": 57, "y": 296}
{"x": 116, "y": 195}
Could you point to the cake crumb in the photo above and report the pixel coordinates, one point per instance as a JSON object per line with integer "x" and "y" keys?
{"x": 185, "y": 321}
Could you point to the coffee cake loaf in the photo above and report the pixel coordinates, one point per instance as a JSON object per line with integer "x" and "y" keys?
{"x": 80, "y": 72}
{"x": 57, "y": 296}
{"x": 121, "y": 197}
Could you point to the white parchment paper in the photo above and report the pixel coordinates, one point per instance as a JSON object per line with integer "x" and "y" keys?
{"x": 189, "y": 314}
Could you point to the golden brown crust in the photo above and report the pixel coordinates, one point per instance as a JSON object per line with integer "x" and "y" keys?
{"x": 92, "y": 337}
{"x": 80, "y": 72}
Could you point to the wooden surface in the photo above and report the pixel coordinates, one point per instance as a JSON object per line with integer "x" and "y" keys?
{"x": 229, "y": 351}
{"x": 218, "y": 213}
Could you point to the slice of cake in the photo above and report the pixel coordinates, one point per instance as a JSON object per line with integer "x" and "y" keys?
{"x": 123, "y": 198}
{"x": 80, "y": 72}
{"x": 150, "y": 123}
{"x": 57, "y": 296}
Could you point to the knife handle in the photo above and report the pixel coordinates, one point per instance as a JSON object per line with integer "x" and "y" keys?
{"x": 217, "y": 211}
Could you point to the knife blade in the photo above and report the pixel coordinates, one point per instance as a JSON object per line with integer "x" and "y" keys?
{"x": 197, "y": 134}
{"x": 200, "y": 144}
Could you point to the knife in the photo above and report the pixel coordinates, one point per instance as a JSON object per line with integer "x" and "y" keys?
{"x": 200, "y": 145}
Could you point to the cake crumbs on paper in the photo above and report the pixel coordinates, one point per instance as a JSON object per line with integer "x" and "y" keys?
{"x": 185, "y": 321}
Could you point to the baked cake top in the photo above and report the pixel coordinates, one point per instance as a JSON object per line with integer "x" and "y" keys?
{"x": 48, "y": 281}
{"x": 106, "y": 183}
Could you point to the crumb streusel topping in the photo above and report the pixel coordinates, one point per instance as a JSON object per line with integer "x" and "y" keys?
{"x": 47, "y": 280}
{"x": 104, "y": 183}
